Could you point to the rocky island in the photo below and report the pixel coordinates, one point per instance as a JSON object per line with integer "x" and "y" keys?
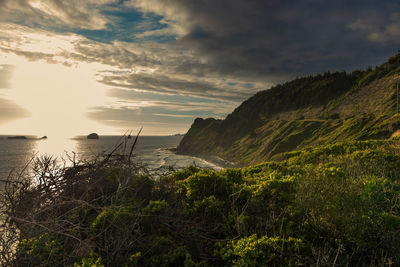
{"x": 17, "y": 137}
{"x": 93, "y": 136}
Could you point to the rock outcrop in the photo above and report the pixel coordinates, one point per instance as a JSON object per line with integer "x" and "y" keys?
{"x": 93, "y": 136}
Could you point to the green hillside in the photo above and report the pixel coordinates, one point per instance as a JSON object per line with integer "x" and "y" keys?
{"x": 309, "y": 111}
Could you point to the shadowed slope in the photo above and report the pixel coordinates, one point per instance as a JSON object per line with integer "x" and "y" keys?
{"x": 309, "y": 111}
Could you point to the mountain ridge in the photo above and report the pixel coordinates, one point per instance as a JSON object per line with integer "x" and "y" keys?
{"x": 308, "y": 111}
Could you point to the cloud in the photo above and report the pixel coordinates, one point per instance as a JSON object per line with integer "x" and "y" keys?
{"x": 254, "y": 40}
{"x": 163, "y": 68}
{"x": 133, "y": 109}
{"x": 379, "y": 28}
{"x": 72, "y": 13}
{"x": 5, "y": 76}
{"x": 166, "y": 68}
{"x": 156, "y": 119}
{"x": 197, "y": 57}
{"x": 9, "y": 111}
{"x": 281, "y": 38}
{"x": 174, "y": 85}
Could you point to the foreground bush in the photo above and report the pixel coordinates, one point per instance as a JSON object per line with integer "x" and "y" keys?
{"x": 333, "y": 205}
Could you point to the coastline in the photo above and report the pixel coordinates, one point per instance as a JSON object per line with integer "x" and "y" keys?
{"x": 220, "y": 162}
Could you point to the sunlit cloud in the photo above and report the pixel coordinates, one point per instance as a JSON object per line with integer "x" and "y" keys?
{"x": 54, "y": 13}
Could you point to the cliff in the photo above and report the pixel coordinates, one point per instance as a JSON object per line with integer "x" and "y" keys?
{"x": 309, "y": 111}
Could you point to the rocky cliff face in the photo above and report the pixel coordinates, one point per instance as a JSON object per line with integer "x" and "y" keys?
{"x": 309, "y": 111}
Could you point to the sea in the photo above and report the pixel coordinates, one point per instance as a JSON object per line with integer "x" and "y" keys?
{"x": 155, "y": 152}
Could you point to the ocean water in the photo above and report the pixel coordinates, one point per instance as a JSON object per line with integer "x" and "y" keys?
{"x": 152, "y": 151}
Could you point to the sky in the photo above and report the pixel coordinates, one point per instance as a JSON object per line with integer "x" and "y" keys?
{"x": 71, "y": 67}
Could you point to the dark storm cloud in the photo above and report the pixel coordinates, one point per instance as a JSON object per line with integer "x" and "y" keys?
{"x": 9, "y": 111}
{"x": 284, "y": 38}
{"x": 5, "y": 76}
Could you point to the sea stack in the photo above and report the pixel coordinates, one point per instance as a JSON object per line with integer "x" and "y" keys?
{"x": 93, "y": 136}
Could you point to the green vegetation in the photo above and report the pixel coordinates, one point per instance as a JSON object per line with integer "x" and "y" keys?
{"x": 332, "y": 205}
{"x": 309, "y": 111}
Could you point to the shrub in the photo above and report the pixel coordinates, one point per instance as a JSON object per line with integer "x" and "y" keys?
{"x": 264, "y": 251}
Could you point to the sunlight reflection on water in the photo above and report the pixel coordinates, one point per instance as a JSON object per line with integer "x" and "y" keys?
{"x": 57, "y": 148}
{"x": 151, "y": 151}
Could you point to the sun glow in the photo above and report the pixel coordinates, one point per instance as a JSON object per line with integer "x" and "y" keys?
{"x": 58, "y": 97}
